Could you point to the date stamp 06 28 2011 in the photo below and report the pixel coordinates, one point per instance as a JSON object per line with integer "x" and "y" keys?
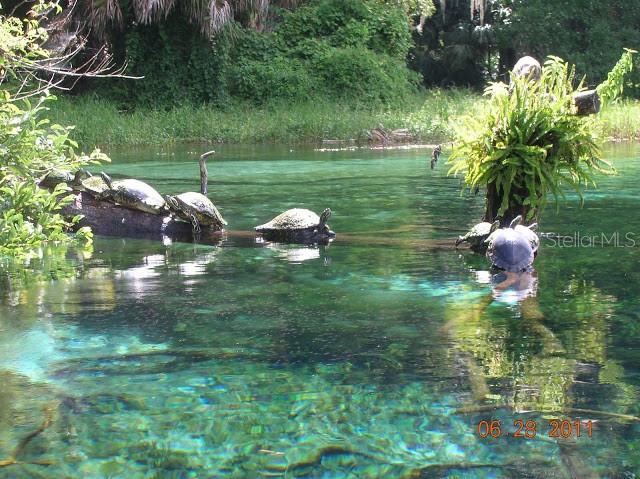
{"x": 528, "y": 429}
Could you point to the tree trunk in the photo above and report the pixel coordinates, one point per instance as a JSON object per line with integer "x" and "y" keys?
{"x": 515, "y": 209}
{"x": 587, "y": 102}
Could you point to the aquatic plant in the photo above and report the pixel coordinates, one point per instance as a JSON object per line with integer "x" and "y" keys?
{"x": 529, "y": 141}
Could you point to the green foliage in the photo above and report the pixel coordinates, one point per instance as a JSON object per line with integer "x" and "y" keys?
{"x": 586, "y": 33}
{"x": 612, "y": 88}
{"x": 30, "y": 148}
{"x": 368, "y": 24}
{"x": 364, "y": 75}
{"x": 337, "y": 48}
{"x": 427, "y": 115}
{"x": 278, "y": 78}
{"x": 529, "y": 142}
{"x": 178, "y": 64}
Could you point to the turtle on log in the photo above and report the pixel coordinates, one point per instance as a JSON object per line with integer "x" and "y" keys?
{"x": 477, "y": 236}
{"x": 196, "y": 208}
{"x": 134, "y": 194}
{"x": 298, "y": 225}
{"x": 513, "y": 249}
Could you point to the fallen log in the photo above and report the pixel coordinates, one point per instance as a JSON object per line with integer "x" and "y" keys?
{"x": 108, "y": 219}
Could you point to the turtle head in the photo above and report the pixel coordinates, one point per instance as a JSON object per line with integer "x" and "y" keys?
{"x": 171, "y": 202}
{"x": 515, "y": 222}
{"x": 323, "y": 230}
{"x": 80, "y": 176}
{"x": 460, "y": 239}
{"x": 107, "y": 179}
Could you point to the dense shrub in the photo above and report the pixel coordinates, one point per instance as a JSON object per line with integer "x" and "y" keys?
{"x": 280, "y": 77}
{"x": 366, "y": 24}
{"x": 364, "y": 74}
{"x": 178, "y": 64}
{"x": 342, "y": 48}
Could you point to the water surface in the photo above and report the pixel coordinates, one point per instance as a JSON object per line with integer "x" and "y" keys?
{"x": 376, "y": 356}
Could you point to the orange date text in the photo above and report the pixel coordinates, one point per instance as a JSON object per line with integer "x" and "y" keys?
{"x": 529, "y": 429}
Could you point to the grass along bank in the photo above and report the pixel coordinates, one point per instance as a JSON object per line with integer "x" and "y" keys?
{"x": 429, "y": 117}
{"x": 99, "y": 123}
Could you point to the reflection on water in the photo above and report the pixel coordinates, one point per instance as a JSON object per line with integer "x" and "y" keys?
{"x": 376, "y": 356}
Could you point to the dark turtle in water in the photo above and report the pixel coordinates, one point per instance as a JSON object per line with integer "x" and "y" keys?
{"x": 55, "y": 177}
{"x": 134, "y": 194}
{"x": 512, "y": 249}
{"x": 298, "y": 225}
{"x": 197, "y": 208}
{"x": 477, "y": 236}
{"x": 528, "y": 231}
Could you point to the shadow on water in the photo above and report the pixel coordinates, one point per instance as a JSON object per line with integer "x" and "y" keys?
{"x": 375, "y": 356}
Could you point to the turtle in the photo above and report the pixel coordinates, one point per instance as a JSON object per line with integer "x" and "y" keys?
{"x": 134, "y": 194}
{"x": 298, "y": 225}
{"x": 477, "y": 235}
{"x": 512, "y": 248}
{"x": 56, "y": 177}
{"x": 527, "y": 231}
{"x": 95, "y": 185}
{"x": 527, "y": 67}
{"x": 197, "y": 208}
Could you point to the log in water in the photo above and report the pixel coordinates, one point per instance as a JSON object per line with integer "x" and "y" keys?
{"x": 109, "y": 219}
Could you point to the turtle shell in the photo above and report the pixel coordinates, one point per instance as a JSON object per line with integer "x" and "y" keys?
{"x": 510, "y": 250}
{"x": 531, "y": 235}
{"x": 54, "y": 178}
{"x": 478, "y": 234}
{"x": 197, "y": 204}
{"x": 291, "y": 220}
{"x": 93, "y": 185}
{"x": 137, "y": 195}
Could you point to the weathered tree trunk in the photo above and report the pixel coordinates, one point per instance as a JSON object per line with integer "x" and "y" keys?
{"x": 587, "y": 102}
{"x": 493, "y": 200}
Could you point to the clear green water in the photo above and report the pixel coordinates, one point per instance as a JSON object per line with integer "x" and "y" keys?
{"x": 374, "y": 357}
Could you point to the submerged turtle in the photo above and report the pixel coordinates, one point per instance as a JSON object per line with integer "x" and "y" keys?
{"x": 298, "y": 225}
{"x": 477, "y": 236}
{"x": 512, "y": 249}
{"x": 134, "y": 194}
{"x": 197, "y": 208}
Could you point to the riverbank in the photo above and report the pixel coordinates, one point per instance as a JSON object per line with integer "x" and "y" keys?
{"x": 427, "y": 116}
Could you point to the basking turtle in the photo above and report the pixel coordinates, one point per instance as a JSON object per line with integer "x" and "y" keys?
{"x": 134, "y": 194}
{"x": 527, "y": 231}
{"x": 512, "y": 249}
{"x": 93, "y": 185}
{"x": 56, "y": 177}
{"x": 477, "y": 236}
{"x": 298, "y": 225}
{"x": 197, "y": 208}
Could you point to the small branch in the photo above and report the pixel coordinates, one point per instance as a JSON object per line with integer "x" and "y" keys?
{"x": 17, "y": 452}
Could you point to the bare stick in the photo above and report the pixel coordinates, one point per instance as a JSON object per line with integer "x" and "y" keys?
{"x": 204, "y": 175}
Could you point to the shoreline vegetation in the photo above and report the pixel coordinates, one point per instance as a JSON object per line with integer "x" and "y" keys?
{"x": 428, "y": 116}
